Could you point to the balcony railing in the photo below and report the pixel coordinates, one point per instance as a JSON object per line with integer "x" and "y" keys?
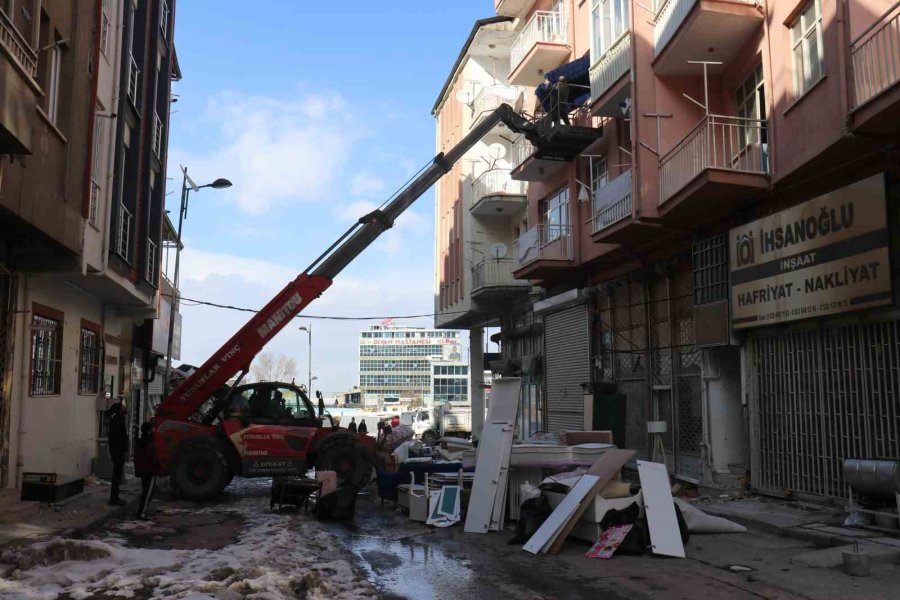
{"x": 612, "y": 202}
{"x": 496, "y": 182}
{"x": 150, "y": 275}
{"x": 492, "y": 96}
{"x": 521, "y": 150}
{"x": 716, "y": 142}
{"x": 123, "y": 243}
{"x": 670, "y": 14}
{"x": 94, "y": 210}
{"x": 876, "y": 57}
{"x": 495, "y": 272}
{"x": 543, "y": 26}
{"x": 134, "y": 77}
{"x": 611, "y": 66}
{"x": 543, "y": 242}
{"x": 17, "y": 46}
{"x": 157, "y": 135}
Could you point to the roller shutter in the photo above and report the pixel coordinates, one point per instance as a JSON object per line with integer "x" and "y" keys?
{"x": 566, "y": 367}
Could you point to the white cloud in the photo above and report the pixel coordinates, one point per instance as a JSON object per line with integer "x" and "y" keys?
{"x": 363, "y": 184}
{"x": 276, "y": 152}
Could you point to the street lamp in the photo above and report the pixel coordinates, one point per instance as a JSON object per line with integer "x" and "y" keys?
{"x": 308, "y": 330}
{"x": 218, "y": 184}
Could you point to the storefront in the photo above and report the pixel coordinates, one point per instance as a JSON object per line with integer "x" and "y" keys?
{"x": 812, "y": 288}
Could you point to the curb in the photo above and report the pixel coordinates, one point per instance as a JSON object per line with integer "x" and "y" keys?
{"x": 801, "y": 532}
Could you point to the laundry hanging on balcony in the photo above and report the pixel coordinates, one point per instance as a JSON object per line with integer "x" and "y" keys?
{"x": 577, "y": 74}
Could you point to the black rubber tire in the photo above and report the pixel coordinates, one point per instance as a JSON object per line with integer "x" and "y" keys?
{"x": 200, "y": 471}
{"x": 429, "y": 438}
{"x": 348, "y": 458}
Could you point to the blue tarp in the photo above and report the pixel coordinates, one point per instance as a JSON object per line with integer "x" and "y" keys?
{"x": 577, "y": 74}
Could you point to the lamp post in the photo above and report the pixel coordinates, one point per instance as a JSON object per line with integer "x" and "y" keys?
{"x": 218, "y": 184}
{"x": 308, "y": 330}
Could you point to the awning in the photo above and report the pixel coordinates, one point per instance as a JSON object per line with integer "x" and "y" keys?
{"x": 577, "y": 74}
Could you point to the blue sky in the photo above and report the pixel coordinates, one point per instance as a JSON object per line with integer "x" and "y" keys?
{"x": 316, "y": 111}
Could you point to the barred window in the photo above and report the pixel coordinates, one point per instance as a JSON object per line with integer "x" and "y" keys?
{"x": 711, "y": 270}
{"x": 89, "y": 362}
{"x": 46, "y": 355}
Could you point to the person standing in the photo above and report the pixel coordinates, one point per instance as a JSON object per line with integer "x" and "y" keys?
{"x": 118, "y": 448}
{"x": 362, "y": 427}
{"x": 352, "y": 425}
{"x": 146, "y": 466}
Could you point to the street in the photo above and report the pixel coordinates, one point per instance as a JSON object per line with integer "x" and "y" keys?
{"x": 238, "y": 548}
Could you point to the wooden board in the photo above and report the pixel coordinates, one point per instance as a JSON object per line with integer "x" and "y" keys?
{"x": 494, "y": 438}
{"x": 548, "y": 529}
{"x": 665, "y": 537}
{"x": 499, "y": 512}
{"x": 504, "y": 406}
{"x": 606, "y": 467}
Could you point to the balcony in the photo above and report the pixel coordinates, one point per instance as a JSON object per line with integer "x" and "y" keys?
{"x": 542, "y": 250}
{"x": 541, "y": 46}
{"x": 493, "y": 282}
{"x": 512, "y": 8}
{"x": 492, "y": 96}
{"x": 711, "y": 30}
{"x": 875, "y": 56}
{"x": 612, "y": 202}
{"x": 495, "y": 193}
{"x": 606, "y": 72}
{"x": 722, "y": 162}
{"x": 18, "y": 68}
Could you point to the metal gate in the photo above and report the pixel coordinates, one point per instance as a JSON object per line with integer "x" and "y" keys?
{"x": 566, "y": 367}
{"x": 819, "y": 396}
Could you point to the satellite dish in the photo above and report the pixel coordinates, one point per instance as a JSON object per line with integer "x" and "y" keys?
{"x": 498, "y": 250}
{"x": 463, "y": 97}
{"x": 496, "y": 151}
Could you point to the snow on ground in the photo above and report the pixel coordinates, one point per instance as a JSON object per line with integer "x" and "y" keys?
{"x": 276, "y": 556}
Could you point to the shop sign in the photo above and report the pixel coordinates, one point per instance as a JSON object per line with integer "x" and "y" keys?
{"x": 825, "y": 256}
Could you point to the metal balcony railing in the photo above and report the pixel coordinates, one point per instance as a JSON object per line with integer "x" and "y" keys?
{"x": 521, "y": 150}
{"x": 492, "y": 96}
{"x": 496, "y": 182}
{"x": 134, "y": 78}
{"x": 612, "y": 202}
{"x": 716, "y": 142}
{"x": 543, "y": 26}
{"x": 150, "y": 274}
{"x": 611, "y": 66}
{"x": 495, "y": 272}
{"x": 157, "y": 135}
{"x": 670, "y": 14}
{"x": 876, "y": 57}
{"x": 123, "y": 243}
{"x": 17, "y": 46}
{"x": 94, "y": 210}
{"x": 543, "y": 242}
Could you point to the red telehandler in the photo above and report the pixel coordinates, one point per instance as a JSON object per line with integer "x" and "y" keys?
{"x": 207, "y": 432}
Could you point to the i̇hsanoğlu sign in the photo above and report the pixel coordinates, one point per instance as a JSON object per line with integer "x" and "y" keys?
{"x": 825, "y": 256}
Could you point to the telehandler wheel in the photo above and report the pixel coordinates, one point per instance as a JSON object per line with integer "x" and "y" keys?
{"x": 200, "y": 471}
{"x": 348, "y": 458}
{"x": 429, "y": 438}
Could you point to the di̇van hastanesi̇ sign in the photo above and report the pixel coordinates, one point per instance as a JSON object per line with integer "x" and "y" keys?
{"x": 825, "y": 256}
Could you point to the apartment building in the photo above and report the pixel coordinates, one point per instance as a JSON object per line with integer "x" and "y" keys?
{"x": 79, "y": 288}
{"x": 682, "y": 284}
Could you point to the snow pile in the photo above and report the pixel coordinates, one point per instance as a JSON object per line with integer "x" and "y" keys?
{"x": 276, "y": 556}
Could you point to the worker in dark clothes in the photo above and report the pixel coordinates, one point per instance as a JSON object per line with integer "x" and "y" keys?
{"x": 321, "y": 402}
{"x": 362, "y": 426}
{"x": 146, "y": 466}
{"x": 352, "y": 425}
{"x": 118, "y": 448}
{"x": 560, "y": 102}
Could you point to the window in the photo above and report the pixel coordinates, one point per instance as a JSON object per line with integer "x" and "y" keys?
{"x": 46, "y": 355}
{"x": 599, "y": 173}
{"x": 164, "y": 18}
{"x": 104, "y": 29}
{"x": 89, "y": 361}
{"x": 99, "y": 123}
{"x": 806, "y": 40}
{"x": 556, "y": 215}
{"x": 609, "y": 20}
{"x": 54, "y": 61}
{"x": 750, "y": 99}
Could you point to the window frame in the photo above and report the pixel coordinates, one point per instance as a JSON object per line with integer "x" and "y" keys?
{"x": 558, "y": 204}
{"x": 104, "y": 29}
{"x": 96, "y": 361}
{"x": 54, "y": 73}
{"x": 614, "y": 13}
{"x": 800, "y": 41}
{"x": 46, "y": 313}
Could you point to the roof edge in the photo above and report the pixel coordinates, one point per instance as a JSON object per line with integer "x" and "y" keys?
{"x": 462, "y": 53}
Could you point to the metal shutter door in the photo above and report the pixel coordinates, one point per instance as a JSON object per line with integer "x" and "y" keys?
{"x": 566, "y": 367}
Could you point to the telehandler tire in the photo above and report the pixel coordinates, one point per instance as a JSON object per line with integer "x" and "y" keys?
{"x": 200, "y": 471}
{"x": 348, "y": 458}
